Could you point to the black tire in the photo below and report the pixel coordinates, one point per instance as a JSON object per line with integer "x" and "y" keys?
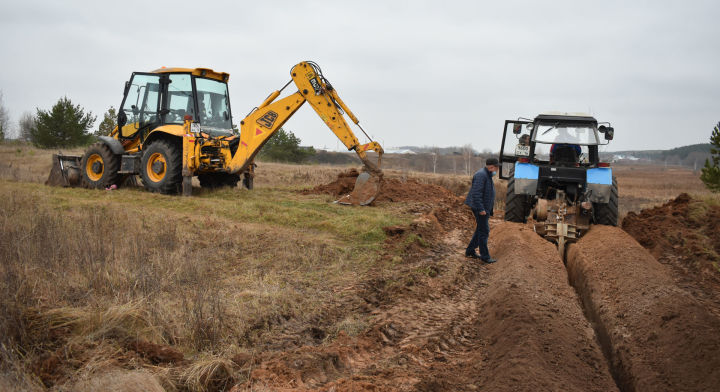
{"x": 218, "y": 180}
{"x": 517, "y": 207}
{"x": 161, "y": 167}
{"x": 607, "y": 213}
{"x": 99, "y": 167}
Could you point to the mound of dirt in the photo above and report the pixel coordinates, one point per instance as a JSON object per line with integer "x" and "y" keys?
{"x": 685, "y": 235}
{"x": 657, "y": 336}
{"x": 391, "y": 189}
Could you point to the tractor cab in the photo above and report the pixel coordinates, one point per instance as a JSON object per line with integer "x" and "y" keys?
{"x": 561, "y": 140}
{"x": 167, "y": 96}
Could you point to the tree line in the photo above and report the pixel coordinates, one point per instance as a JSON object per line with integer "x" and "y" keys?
{"x": 68, "y": 125}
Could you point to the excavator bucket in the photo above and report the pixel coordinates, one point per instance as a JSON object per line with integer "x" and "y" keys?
{"x": 65, "y": 171}
{"x": 366, "y": 189}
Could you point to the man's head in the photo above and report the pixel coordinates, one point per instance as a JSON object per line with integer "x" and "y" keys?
{"x": 525, "y": 140}
{"x": 492, "y": 165}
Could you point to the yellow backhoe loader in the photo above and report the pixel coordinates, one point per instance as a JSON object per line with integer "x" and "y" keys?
{"x": 175, "y": 123}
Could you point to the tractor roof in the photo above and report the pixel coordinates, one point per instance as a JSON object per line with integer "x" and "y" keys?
{"x": 563, "y": 116}
{"x": 202, "y": 72}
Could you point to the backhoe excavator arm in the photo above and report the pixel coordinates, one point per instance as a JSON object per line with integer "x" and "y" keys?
{"x": 262, "y": 123}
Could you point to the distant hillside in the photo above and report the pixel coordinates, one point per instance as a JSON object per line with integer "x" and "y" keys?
{"x": 693, "y": 155}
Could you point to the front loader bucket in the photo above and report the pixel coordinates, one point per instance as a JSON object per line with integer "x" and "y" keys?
{"x": 65, "y": 171}
{"x": 366, "y": 189}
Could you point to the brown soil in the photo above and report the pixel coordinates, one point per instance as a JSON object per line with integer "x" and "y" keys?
{"x": 155, "y": 353}
{"x": 512, "y": 326}
{"x": 683, "y": 234}
{"x": 658, "y": 337}
{"x": 391, "y": 189}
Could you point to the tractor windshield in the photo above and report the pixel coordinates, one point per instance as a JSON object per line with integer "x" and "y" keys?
{"x": 567, "y": 133}
{"x": 213, "y": 104}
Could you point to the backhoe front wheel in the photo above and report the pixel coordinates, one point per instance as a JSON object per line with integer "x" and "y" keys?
{"x": 100, "y": 167}
{"x": 161, "y": 167}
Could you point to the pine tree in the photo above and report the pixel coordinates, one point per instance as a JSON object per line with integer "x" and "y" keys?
{"x": 284, "y": 146}
{"x": 711, "y": 172}
{"x": 65, "y": 125}
{"x": 108, "y": 123}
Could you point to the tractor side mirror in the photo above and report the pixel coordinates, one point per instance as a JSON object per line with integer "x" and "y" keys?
{"x": 609, "y": 133}
{"x": 127, "y": 87}
{"x": 121, "y": 119}
{"x": 517, "y": 128}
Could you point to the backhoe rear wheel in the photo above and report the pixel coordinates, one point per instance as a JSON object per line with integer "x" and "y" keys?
{"x": 99, "y": 167}
{"x": 517, "y": 207}
{"x": 607, "y": 213}
{"x": 161, "y": 167}
{"x": 218, "y": 180}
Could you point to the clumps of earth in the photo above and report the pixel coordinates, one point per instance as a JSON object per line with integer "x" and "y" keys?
{"x": 391, "y": 189}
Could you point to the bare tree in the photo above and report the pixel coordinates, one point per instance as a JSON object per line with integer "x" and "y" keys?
{"x": 467, "y": 154}
{"x": 4, "y": 119}
{"x": 26, "y": 124}
{"x": 435, "y": 151}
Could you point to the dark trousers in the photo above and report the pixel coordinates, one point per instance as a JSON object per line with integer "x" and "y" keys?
{"x": 480, "y": 238}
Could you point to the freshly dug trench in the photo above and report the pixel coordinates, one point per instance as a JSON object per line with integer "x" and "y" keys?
{"x": 658, "y": 337}
{"x": 534, "y": 334}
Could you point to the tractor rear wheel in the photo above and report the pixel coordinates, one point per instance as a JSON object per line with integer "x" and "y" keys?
{"x": 161, "y": 167}
{"x": 99, "y": 167}
{"x": 517, "y": 207}
{"x": 607, "y": 213}
{"x": 218, "y": 180}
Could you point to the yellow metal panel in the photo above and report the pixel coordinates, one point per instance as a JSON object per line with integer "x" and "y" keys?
{"x": 257, "y": 128}
{"x": 201, "y": 72}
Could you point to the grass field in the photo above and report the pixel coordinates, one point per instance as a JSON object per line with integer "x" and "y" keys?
{"x": 85, "y": 274}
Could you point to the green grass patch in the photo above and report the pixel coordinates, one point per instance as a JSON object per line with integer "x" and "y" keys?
{"x": 359, "y": 226}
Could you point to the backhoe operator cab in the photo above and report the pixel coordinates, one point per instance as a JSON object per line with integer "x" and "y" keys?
{"x": 167, "y": 95}
{"x": 554, "y": 172}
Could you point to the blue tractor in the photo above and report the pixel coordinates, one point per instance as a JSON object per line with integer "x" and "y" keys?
{"x": 555, "y": 175}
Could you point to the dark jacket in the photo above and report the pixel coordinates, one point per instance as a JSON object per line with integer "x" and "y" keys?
{"x": 481, "y": 196}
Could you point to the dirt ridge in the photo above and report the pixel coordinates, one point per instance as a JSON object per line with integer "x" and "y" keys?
{"x": 643, "y": 319}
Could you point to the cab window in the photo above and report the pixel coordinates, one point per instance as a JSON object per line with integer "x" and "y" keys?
{"x": 213, "y": 103}
{"x": 141, "y": 104}
{"x": 180, "y": 102}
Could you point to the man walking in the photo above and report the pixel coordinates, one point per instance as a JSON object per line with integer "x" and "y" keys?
{"x": 481, "y": 199}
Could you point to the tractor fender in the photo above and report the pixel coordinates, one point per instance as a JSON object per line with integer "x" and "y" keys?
{"x": 115, "y": 145}
{"x": 526, "y": 178}
{"x": 599, "y": 184}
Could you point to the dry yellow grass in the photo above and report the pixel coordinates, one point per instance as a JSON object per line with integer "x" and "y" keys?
{"x": 93, "y": 269}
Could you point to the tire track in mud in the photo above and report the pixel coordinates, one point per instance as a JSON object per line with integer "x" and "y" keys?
{"x": 512, "y": 326}
{"x": 656, "y": 337}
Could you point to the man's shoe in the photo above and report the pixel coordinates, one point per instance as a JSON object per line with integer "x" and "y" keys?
{"x": 489, "y": 260}
{"x": 472, "y": 255}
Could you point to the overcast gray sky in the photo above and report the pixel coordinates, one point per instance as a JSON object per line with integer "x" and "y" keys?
{"x": 414, "y": 72}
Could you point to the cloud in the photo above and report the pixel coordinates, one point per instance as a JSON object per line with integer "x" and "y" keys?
{"x": 426, "y": 73}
